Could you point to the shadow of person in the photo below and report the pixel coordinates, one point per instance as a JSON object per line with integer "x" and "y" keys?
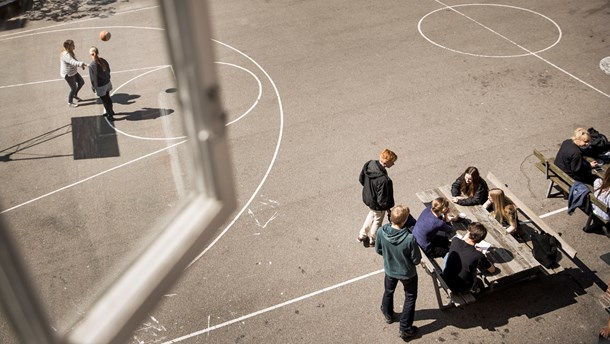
{"x": 124, "y": 98}
{"x": 146, "y": 114}
{"x": 531, "y": 298}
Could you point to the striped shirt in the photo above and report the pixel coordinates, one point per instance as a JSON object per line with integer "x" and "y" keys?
{"x": 68, "y": 65}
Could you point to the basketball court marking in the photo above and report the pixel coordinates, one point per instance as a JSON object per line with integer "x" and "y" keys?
{"x": 5, "y": 37}
{"x": 269, "y": 309}
{"x": 91, "y": 177}
{"x": 275, "y": 153}
{"x": 529, "y": 52}
{"x": 84, "y": 76}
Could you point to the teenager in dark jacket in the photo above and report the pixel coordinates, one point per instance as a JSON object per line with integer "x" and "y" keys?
{"x": 99, "y": 73}
{"x": 570, "y": 159}
{"x": 469, "y": 188}
{"x": 377, "y": 193}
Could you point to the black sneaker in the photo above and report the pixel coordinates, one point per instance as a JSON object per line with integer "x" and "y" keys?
{"x": 77, "y": 98}
{"x": 388, "y": 318}
{"x": 408, "y": 334}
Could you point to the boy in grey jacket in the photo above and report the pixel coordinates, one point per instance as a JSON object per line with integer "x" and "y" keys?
{"x": 401, "y": 255}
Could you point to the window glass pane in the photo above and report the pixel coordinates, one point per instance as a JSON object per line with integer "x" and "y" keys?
{"x": 82, "y": 194}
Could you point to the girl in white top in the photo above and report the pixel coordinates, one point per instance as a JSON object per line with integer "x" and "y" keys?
{"x": 68, "y": 69}
{"x": 601, "y": 190}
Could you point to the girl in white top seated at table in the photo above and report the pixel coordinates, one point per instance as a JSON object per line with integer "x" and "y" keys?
{"x": 601, "y": 190}
{"x": 504, "y": 210}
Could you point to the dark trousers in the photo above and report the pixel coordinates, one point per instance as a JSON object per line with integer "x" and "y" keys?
{"x": 107, "y": 104}
{"x": 439, "y": 247}
{"x": 75, "y": 82}
{"x": 408, "y": 309}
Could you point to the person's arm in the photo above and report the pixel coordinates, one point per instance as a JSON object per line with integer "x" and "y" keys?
{"x": 385, "y": 195}
{"x": 455, "y": 187}
{"x": 378, "y": 245}
{"x": 361, "y": 178}
{"x": 479, "y": 197}
{"x": 415, "y": 252}
{"x": 67, "y": 58}
{"x": 487, "y": 204}
{"x": 605, "y": 331}
{"x": 93, "y": 76}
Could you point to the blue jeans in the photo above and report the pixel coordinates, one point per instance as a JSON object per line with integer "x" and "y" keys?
{"x": 408, "y": 309}
{"x": 75, "y": 82}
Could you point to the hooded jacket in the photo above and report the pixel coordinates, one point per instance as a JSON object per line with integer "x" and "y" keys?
{"x": 400, "y": 252}
{"x": 378, "y": 190}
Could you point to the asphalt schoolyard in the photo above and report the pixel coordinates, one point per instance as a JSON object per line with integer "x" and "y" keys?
{"x": 313, "y": 90}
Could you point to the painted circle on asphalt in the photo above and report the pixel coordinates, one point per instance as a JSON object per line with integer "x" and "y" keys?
{"x": 509, "y": 41}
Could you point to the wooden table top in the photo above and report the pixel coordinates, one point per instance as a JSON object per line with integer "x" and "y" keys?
{"x": 507, "y": 254}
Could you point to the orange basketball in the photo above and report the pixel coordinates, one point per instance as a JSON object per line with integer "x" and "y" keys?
{"x": 104, "y": 35}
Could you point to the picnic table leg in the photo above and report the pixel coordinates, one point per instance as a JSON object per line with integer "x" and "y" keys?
{"x": 550, "y": 188}
{"x": 437, "y": 291}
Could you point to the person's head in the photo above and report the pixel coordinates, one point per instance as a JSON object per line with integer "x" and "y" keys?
{"x": 399, "y": 215}
{"x": 471, "y": 175}
{"x": 69, "y": 46}
{"x": 387, "y": 158}
{"x": 477, "y": 232}
{"x": 496, "y": 196}
{"x": 94, "y": 52}
{"x": 470, "y": 181}
{"x": 581, "y": 137}
{"x": 440, "y": 206}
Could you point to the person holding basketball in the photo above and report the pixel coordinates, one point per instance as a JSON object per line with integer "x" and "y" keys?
{"x": 99, "y": 72}
{"x": 68, "y": 69}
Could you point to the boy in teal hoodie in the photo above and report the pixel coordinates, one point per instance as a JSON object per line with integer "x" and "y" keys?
{"x": 401, "y": 255}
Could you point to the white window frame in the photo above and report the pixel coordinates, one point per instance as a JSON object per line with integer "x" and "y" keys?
{"x": 125, "y": 303}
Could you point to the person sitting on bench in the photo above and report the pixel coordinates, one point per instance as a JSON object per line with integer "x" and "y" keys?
{"x": 469, "y": 188}
{"x": 504, "y": 210}
{"x": 570, "y": 160}
{"x": 463, "y": 260}
{"x": 434, "y": 219}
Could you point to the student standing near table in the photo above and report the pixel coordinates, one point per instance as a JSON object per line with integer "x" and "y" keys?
{"x": 401, "y": 255}
{"x": 377, "y": 193}
{"x": 68, "y": 69}
{"x": 571, "y": 161}
{"x": 434, "y": 219}
{"x": 469, "y": 188}
{"x": 463, "y": 260}
{"x": 99, "y": 72}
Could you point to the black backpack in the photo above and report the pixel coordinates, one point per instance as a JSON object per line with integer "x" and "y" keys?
{"x": 544, "y": 248}
{"x": 598, "y": 145}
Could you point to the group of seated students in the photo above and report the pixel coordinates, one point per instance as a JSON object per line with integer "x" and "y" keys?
{"x": 461, "y": 258}
{"x": 570, "y": 159}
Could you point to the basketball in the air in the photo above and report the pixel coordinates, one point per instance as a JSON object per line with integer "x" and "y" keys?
{"x": 104, "y": 35}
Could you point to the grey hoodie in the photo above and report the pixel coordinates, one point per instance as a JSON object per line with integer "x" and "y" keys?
{"x": 400, "y": 252}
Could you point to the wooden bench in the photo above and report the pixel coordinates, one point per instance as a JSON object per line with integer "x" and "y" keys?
{"x": 454, "y": 299}
{"x": 562, "y": 182}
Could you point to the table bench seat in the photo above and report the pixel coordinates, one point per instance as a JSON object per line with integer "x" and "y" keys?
{"x": 563, "y": 183}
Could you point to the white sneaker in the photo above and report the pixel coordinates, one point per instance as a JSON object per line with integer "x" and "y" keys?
{"x": 72, "y": 105}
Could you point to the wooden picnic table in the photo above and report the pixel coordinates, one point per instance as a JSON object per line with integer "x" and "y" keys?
{"x": 513, "y": 259}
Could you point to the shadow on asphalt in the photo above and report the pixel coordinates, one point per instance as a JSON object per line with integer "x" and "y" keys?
{"x": 532, "y": 299}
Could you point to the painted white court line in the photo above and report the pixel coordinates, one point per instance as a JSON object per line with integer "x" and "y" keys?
{"x": 91, "y": 177}
{"x": 269, "y": 309}
{"x": 452, "y": 8}
{"x": 260, "y": 90}
{"x": 553, "y": 212}
{"x": 85, "y": 75}
{"x": 535, "y": 54}
{"x": 45, "y": 32}
{"x": 71, "y": 23}
{"x": 271, "y": 164}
